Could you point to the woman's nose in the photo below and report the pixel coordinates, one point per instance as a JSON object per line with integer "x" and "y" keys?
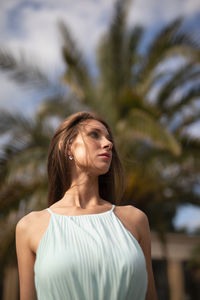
{"x": 108, "y": 144}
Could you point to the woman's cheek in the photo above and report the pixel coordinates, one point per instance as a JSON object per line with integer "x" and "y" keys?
{"x": 82, "y": 156}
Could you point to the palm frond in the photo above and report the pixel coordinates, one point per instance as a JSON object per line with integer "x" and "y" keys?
{"x": 187, "y": 122}
{"x": 168, "y": 43}
{"x": 14, "y": 121}
{"x": 111, "y": 53}
{"x": 140, "y": 125}
{"x": 186, "y": 99}
{"x": 23, "y": 72}
{"x": 77, "y": 75}
{"x": 161, "y": 43}
{"x": 132, "y": 57}
{"x": 180, "y": 77}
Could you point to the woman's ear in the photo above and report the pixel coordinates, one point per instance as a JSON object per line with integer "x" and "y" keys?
{"x": 69, "y": 148}
{"x": 69, "y": 154}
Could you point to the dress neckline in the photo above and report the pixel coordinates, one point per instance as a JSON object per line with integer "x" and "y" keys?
{"x": 85, "y": 215}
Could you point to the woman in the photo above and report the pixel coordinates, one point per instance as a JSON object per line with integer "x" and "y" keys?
{"x": 84, "y": 246}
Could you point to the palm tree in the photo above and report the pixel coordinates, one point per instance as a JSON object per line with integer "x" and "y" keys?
{"x": 148, "y": 142}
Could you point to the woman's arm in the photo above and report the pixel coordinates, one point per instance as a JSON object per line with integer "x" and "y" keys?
{"x": 26, "y": 260}
{"x": 145, "y": 243}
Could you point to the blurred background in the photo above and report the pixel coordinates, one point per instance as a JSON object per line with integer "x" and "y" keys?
{"x": 138, "y": 64}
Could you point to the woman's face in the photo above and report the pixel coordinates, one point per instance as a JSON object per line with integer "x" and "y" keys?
{"x": 89, "y": 146}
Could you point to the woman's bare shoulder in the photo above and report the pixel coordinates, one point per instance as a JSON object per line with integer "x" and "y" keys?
{"x": 138, "y": 213}
{"x": 135, "y": 212}
{"x": 137, "y": 219}
{"x": 28, "y": 221}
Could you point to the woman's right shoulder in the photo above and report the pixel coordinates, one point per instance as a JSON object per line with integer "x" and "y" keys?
{"x": 28, "y": 221}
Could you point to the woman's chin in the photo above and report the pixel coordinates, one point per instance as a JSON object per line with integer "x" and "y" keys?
{"x": 103, "y": 171}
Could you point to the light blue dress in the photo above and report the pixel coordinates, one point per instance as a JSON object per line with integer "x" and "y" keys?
{"x": 89, "y": 257}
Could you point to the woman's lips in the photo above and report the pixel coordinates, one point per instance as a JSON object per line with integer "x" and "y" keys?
{"x": 105, "y": 156}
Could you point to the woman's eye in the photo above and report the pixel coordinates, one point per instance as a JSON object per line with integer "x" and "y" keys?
{"x": 94, "y": 134}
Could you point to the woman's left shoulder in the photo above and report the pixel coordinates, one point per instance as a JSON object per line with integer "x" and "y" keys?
{"x": 139, "y": 220}
{"x": 138, "y": 215}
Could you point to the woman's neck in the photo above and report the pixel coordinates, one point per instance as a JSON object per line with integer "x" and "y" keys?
{"x": 83, "y": 193}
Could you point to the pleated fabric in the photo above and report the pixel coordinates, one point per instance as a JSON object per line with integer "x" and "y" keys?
{"x": 89, "y": 257}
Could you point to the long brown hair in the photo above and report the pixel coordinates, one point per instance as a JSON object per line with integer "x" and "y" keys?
{"x": 111, "y": 184}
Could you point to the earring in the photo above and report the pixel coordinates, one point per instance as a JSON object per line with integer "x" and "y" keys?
{"x": 70, "y": 157}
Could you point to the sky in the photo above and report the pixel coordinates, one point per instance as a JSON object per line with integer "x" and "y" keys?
{"x": 30, "y": 28}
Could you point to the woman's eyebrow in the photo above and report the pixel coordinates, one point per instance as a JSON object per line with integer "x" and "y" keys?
{"x": 99, "y": 130}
